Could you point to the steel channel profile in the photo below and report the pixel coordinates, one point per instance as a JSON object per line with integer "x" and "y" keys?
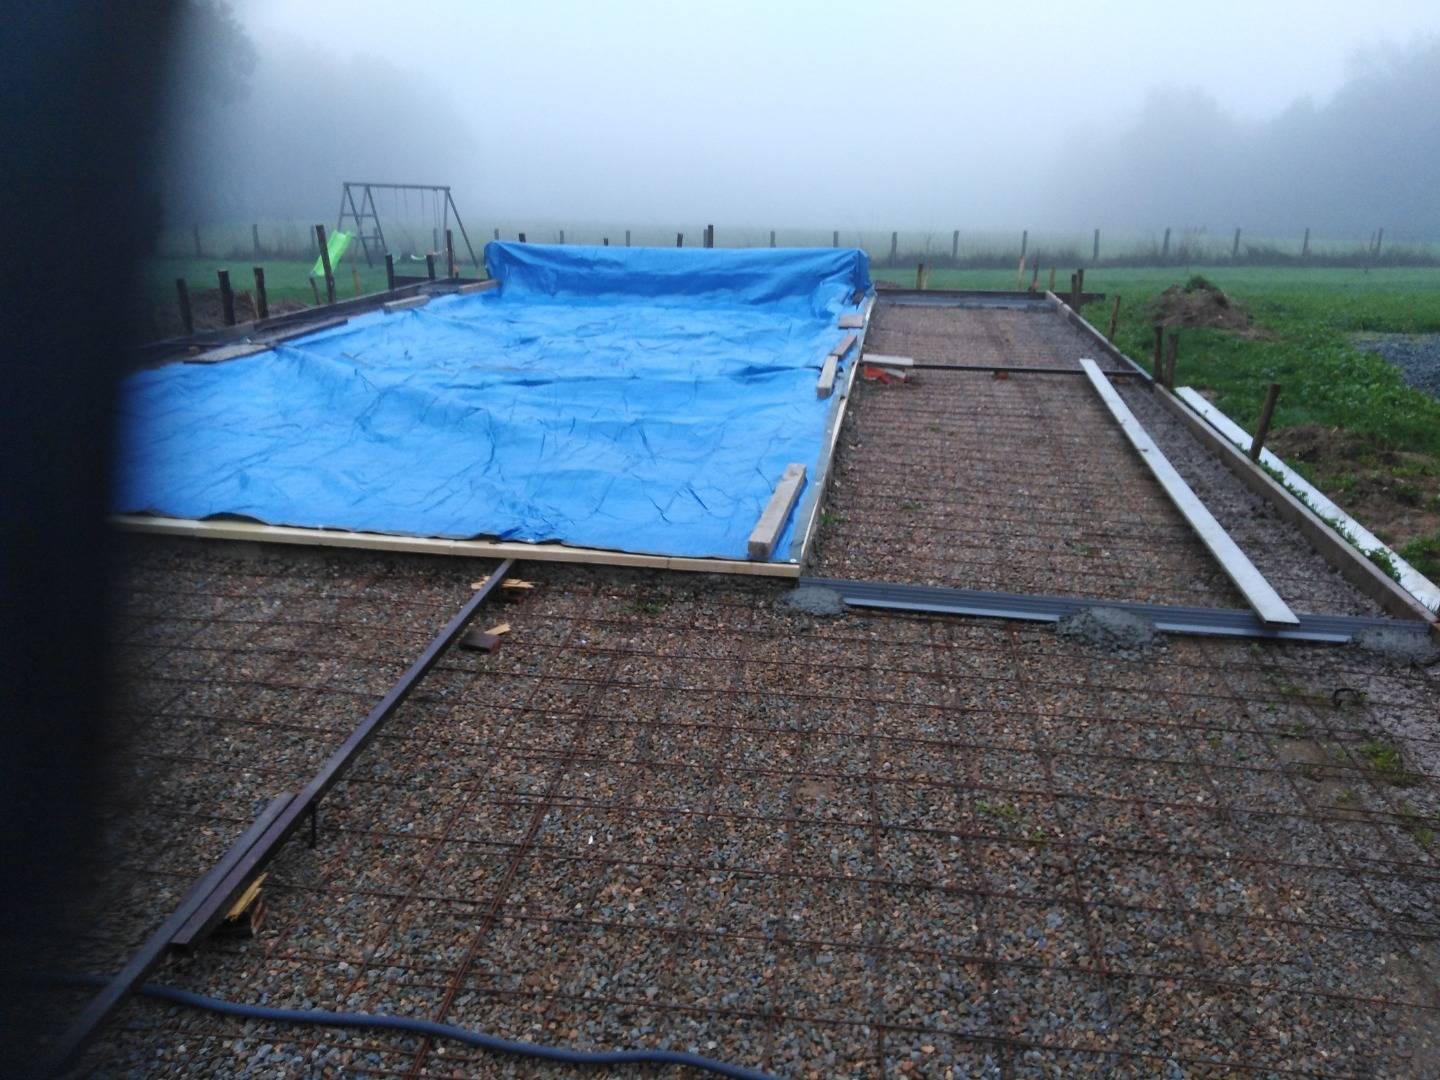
{"x": 211, "y": 896}
{"x": 1211, "y": 622}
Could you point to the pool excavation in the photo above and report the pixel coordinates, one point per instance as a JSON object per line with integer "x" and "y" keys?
{"x": 879, "y": 816}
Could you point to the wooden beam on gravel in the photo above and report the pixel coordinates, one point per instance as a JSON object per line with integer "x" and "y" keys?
{"x": 404, "y": 305}
{"x": 853, "y": 321}
{"x": 1258, "y": 592}
{"x": 825, "y": 385}
{"x": 777, "y": 511}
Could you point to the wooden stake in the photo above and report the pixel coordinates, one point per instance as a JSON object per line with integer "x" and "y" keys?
{"x": 1305, "y": 244}
{"x": 920, "y": 276}
{"x": 1114, "y": 318}
{"x": 355, "y": 278}
{"x": 520, "y": 235}
{"x": 325, "y": 263}
{"x": 1266, "y": 412}
{"x": 1095, "y": 249}
{"x": 562, "y": 236}
{"x": 389, "y": 271}
{"x": 894, "y": 245}
{"x": 182, "y": 293}
{"x": 1165, "y": 247}
{"x": 262, "y": 302}
{"x": 679, "y": 239}
{"x": 1020, "y": 274}
{"x": 430, "y": 265}
{"x": 772, "y": 238}
{"x": 1052, "y": 279}
{"x": 1035, "y": 277}
{"x": 1024, "y": 241}
{"x": 627, "y": 237}
{"x": 451, "y": 270}
{"x": 955, "y": 246}
{"x": 227, "y": 298}
{"x": 1172, "y": 353}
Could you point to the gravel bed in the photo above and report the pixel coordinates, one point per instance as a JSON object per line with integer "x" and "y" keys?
{"x": 1416, "y": 355}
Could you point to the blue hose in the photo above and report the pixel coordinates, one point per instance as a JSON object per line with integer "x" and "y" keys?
{"x": 429, "y": 1027}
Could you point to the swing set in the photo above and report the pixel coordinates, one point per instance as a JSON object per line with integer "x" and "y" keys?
{"x": 436, "y": 205}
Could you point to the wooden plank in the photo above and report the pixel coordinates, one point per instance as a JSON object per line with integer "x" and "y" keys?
{"x": 227, "y": 352}
{"x": 404, "y": 305}
{"x": 431, "y": 545}
{"x": 825, "y": 385}
{"x": 846, "y": 344}
{"x": 853, "y": 321}
{"x": 476, "y": 286}
{"x": 772, "y": 522}
{"x": 292, "y": 332}
{"x": 1356, "y": 568}
{"x": 883, "y": 360}
{"x": 1258, "y": 592}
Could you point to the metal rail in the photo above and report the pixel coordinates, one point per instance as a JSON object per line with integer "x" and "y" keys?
{"x": 1212, "y": 622}
{"x": 213, "y": 894}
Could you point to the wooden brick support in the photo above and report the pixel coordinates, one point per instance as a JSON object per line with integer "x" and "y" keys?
{"x": 777, "y": 512}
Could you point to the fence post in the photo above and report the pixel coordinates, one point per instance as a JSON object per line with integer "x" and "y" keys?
{"x": 262, "y": 302}
{"x": 227, "y": 297}
{"x": 679, "y": 239}
{"x": 772, "y": 238}
{"x": 562, "y": 235}
{"x": 835, "y": 239}
{"x": 325, "y": 264}
{"x": 920, "y": 276}
{"x": 255, "y": 239}
{"x": 1266, "y": 412}
{"x": 627, "y": 237}
{"x": 1114, "y": 318}
{"x": 605, "y": 242}
{"x": 1024, "y": 241}
{"x": 1172, "y": 353}
{"x": 1235, "y": 247}
{"x": 451, "y": 270}
{"x": 1165, "y": 247}
{"x": 389, "y": 272}
{"x": 1095, "y": 249}
{"x": 1305, "y": 244}
{"x": 955, "y": 246}
{"x": 709, "y": 236}
{"x": 182, "y": 293}
{"x": 1379, "y": 241}
{"x": 894, "y": 245}
{"x": 520, "y": 235}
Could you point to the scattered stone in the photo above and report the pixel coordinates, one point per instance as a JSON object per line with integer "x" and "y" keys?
{"x": 1399, "y": 647}
{"x": 814, "y": 600}
{"x": 1115, "y": 630}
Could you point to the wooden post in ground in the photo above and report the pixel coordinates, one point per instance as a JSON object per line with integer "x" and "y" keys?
{"x": 605, "y": 242}
{"x": 1165, "y": 247}
{"x": 679, "y": 239}
{"x": 520, "y": 235}
{"x": 920, "y": 276}
{"x": 451, "y": 270}
{"x": 325, "y": 263}
{"x": 227, "y": 297}
{"x": 1052, "y": 279}
{"x": 627, "y": 237}
{"x": 314, "y": 289}
{"x": 772, "y": 238}
{"x": 835, "y": 239}
{"x": 709, "y": 236}
{"x": 255, "y": 239}
{"x": 1114, "y": 318}
{"x": 1158, "y": 359}
{"x": 1095, "y": 248}
{"x": 1172, "y": 353}
{"x": 1266, "y": 412}
{"x": 1235, "y": 247}
{"x": 262, "y": 302}
{"x": 1024, "y": 240}
{"x": 1379, "y": 241}
{"x": 497, "y": 234}
{"x": 955, "y": 246}
{"x": 389, "y": 272}
{"x": 1035, "y": 277}
{"x": 430, "y": 265}
{"x": 894, "y": 245}
{"x": 1020, "y": 274}
{"x": 187, "y": 317}
{"x": 1305, "y": 244}
{"x": 562, "y": 236}
{"x": 195, "y": 232}
{"x": 355, "y": 278}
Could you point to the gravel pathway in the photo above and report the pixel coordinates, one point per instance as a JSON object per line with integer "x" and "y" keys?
{"x": 1416, "y": 355}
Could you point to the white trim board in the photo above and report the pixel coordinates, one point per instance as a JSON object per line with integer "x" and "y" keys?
{"x": 431, "y": 545}
{"x": 1258, "y": 592}
{"x": 1414, "y": 582}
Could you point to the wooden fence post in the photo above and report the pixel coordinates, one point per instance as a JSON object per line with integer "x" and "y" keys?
{"x": 1172, "y": 353}
{"x": 1266, "y": 412}
{"x": 1095, "y": 248}
{"x": 355, "y": 278}
{"x": 627, "y": 237}
{"x": 187, "y": 317}
{"x": 325, "y": 264}
{"x": 835, "y": 239}
{"x": 262, "y": 302}
{"x": 1305, "y": 244}
{"x": 1165, "y": 247}
{"x": 227, "y": 297}
{"x": 1024, "y": 240}
{"x": 451, "y": 270}
{"x": 389, "y": 272}
{"x": 520, "y": 235}
{"x": 1114, "y": 318}
{"x": 562, "y": 236}
{"x": 894, "y": 245}
{"x": 772, "y": 238}
{"x": 255, "y": 239}
{"x": 920, "y": 276}
{"x": 1235, "y": 247}
{"x": 955, "y": 246}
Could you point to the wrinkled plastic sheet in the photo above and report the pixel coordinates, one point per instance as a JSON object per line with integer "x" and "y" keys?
{"x": 635, "y": 399}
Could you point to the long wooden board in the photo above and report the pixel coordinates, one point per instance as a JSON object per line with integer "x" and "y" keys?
{"x": 1416, "y": 583}
{"x": 777, "y": 511}
{"x": 430, "y": 545}
{"x": 1258, "y": 592}
{"x": 825, "y": 385}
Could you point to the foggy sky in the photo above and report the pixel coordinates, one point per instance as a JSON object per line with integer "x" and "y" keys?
{"x": 848, "y": 115}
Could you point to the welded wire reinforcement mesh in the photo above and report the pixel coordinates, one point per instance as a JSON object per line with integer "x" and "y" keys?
{"x": 670, "y": 812}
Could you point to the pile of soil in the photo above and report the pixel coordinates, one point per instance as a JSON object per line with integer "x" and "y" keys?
{"x": 1393, "y": 493}
{"x": 1201, "y": 303}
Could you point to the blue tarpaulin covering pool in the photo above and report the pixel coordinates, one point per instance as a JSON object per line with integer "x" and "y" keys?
{"x": 638, "y": 399}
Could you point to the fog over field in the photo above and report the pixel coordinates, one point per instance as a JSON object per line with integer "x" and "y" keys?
{"x": 1123, "y": 115}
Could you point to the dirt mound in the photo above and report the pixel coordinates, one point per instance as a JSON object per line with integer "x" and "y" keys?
{"x": 1202, "y": 303}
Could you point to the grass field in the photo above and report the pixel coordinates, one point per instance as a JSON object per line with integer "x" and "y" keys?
{"x": 1345, "y": 419}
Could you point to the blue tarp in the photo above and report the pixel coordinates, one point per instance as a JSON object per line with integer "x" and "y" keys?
{"x": 639, "y": 399}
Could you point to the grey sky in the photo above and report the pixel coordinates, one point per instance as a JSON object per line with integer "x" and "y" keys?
{"x": 861, "y": 115}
